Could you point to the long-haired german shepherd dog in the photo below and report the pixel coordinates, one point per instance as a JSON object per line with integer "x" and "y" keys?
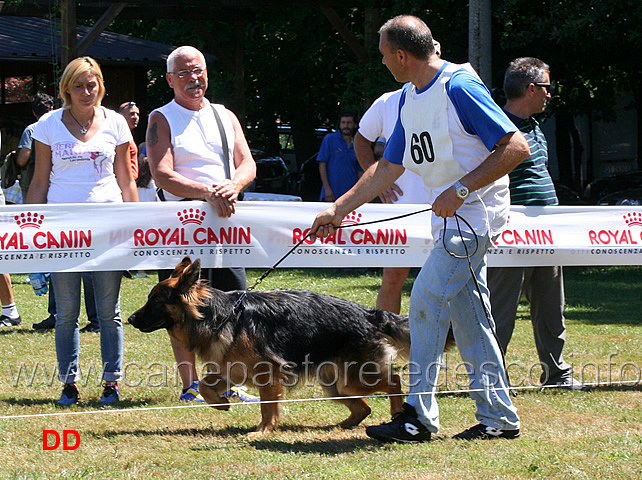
{"x": 278, "y": 338}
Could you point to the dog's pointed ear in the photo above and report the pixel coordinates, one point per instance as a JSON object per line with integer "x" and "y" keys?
{"x": 186, "y": 262}
{"x": 189, "y": 276}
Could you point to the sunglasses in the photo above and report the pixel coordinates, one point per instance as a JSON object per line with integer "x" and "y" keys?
{"x": 549, "y": 88}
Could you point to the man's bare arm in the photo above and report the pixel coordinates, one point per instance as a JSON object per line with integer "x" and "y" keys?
{"x": 161, "y": 162}
{"x": 509, "y": 152}
{"x": 323, "y": 173}
{"x": 366, "y": 158}
{"x": 244, "y": 164}
{"x": 23, "y": 156}
{"x": 373, "y": 181}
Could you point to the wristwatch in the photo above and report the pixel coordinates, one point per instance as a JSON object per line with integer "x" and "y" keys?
{"x": 461, "y": 190}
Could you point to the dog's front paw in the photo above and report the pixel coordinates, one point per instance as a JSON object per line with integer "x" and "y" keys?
{"x": 208, "y": 390}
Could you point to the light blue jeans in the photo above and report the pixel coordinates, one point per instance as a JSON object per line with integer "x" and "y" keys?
{"x": 107, "y": 294}
{"x": 444, "y": 293}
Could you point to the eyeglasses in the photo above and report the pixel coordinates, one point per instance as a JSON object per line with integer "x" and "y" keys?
{"x": 194, "y": 71}
{"x": 549, "y": 88}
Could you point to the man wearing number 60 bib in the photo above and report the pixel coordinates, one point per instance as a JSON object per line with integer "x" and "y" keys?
{"x": 452, "y": 134}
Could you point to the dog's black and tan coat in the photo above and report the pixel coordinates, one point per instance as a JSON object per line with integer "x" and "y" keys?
{"x": 279, "y": 338}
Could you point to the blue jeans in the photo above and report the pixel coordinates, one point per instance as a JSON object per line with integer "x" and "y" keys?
{"x": 107, "y": 295}
{"x": 90, "y": 301}
{"x": 444, "y": 293}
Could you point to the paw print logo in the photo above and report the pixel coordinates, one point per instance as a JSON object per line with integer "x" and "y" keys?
{"x": 191, "y": 215}
{"x": 29, "y": 219}
{"x": 353, "y": 218}
{"x": 632, "y": 219}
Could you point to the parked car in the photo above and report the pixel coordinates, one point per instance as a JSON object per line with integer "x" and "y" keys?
{"x": 288, "y": 149}
{"x": 272, "y": 175}
{"x": 598, "y": 189}
{"x": 631, "y": 196}
{"x": 308, "y": 180}
{"x": 567, "y": 196}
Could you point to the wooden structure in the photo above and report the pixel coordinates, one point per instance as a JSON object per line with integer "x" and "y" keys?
{"x": 30, "y": 53}
{"x": 125, "y": 60}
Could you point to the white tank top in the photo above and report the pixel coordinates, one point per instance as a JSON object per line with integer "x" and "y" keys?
{"x": 196, "y": 142}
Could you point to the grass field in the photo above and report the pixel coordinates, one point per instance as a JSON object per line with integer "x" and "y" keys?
{"x": 150, "y": 435}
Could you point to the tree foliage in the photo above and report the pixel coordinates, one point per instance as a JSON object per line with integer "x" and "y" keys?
{"x": 300, "y": 71}
{"x": 593, "y": 46}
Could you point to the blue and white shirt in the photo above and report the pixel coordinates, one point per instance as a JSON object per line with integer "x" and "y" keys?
{"x": 446, "y": 130}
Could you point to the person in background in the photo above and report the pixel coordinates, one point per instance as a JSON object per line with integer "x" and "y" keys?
{"x": 185, "y": 145}
{"x": 527, "y": 85}
{"x": 26, "y": 159}
{"x": 376, "y": 125}
{"x": 145, "y": 186}
{"x": 82, "y": 157}
{"x": 10, "y": 316}
{"x": 452, "y": 134}
{"x": 338, "y": 165}
{"x": 131, "y": 112}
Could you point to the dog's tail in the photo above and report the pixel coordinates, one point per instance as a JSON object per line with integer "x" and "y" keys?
{"x": 397, "y": 329}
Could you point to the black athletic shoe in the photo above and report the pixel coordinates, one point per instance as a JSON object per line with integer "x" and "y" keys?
{"x": 482, "y": 432}
{"x": 9, "y": 322}
{"x": 568, "y": 383}
{"x": 47, "y": 324}
{"x": 90, "y": 327}
{"x": 404, "y": 428}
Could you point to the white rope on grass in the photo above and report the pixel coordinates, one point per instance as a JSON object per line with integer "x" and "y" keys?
{"x": 298, "y": 400}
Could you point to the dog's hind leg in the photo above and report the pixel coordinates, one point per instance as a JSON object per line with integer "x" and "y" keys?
{"x": 394, "y": 390}
{"x": 359, "y": 408}
{"x": 387, "y": 382}
{"x": 382, "y": 379}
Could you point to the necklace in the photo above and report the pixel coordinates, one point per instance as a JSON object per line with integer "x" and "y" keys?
{"x": 83, "y": 129}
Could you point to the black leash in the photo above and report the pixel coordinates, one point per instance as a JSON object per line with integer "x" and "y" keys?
{"x": 237, "y": 308}
{"x": 239, "y": 301}
{"x": 472, "y": 274}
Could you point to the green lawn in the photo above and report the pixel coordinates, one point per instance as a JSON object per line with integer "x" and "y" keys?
{"x": 565, "y": 435}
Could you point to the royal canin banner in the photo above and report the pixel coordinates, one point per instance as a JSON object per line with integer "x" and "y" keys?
{"x": 87, "y": 237}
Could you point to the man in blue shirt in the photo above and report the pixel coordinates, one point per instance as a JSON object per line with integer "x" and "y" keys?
{"x": 338, "y": 165}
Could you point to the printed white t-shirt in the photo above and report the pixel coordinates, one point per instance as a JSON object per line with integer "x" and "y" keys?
{"x": 83, "y": 172}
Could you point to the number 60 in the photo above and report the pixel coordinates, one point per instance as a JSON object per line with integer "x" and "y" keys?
{"x": 421, "y": 148}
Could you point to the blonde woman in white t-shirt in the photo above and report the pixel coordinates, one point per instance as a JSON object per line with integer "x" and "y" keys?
{"x": 82, "y": 156}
